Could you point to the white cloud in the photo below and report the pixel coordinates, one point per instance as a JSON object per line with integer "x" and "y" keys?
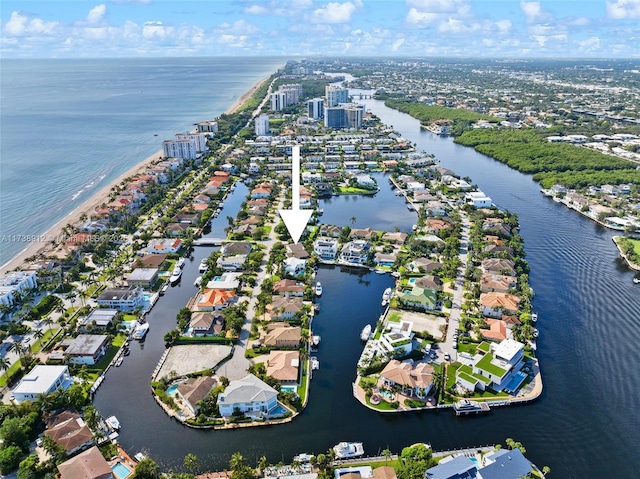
{"x": 503, "y": 26}
{"x": 397, "y": 44}
{"x": 579, "y": 22}
{"x": 416, "y": 17}
{"x": 590, "y": 44}
{"x": 531, "y": 10}
{"x": 256, "y": 10}
{"x": 435, "y": 6}
{"x": 239, "y": 27}
{"x": 155, "y": 30}
{"x": 21, "y": 25}
{"x": 334, "y": 12}
{"x": 623, "y": 9}
{"x": 96, "y": 14}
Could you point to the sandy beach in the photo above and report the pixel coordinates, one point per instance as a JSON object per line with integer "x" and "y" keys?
{"x": 43, "y": 244}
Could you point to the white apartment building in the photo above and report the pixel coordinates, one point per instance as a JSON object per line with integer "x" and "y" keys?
{"x": 16, "y": 282}
{"x": 199, "y": 138}
{"x": 336, "y": 95}
{"x": 179, "y": 149}
{"x": 315, "y": 108}
{"x": 278, "y": 101}
{"x": 262, "y": 125}
{"x": 292, "y": 92}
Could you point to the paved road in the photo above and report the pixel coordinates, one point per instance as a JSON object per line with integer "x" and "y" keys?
{"x": 458, "y": 293}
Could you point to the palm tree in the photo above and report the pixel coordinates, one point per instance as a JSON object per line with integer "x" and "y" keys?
{"x": 352, "y": 220}
{"x": 263, "y": 463}
{"x": 191, "y": 463}
{"x": 386, "y": 453}
{"x": 4, "y": 364}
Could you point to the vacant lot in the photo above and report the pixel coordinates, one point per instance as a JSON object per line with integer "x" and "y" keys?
{"x": 421, "y": 321}
{"x": 190, "y": 358}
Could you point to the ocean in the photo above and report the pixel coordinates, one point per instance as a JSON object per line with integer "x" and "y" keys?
{"x": 70, "y": 127}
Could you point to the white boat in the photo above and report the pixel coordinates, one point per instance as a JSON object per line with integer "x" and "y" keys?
{"x": 175, "y": 275}
{"x": 315, "y": 341}
{"x": 366, "y": 333}
{"x": 315, "y": 364}
{"x": 386, "y": 296}
{"x": 181, "y": 263}
{"x": 395, "y": 274}
{"x": 119, "y": 361}
{"x": 141, "y": 331}
{"x": 303, "y": 458}
{"x": 534, "y": 317}
{"x": 203, "y": 266}
{"x": 113, "y": 423}
{"x": 139, "y": 456}
{"x": 318, "y": 289}
{"x": 345, "y": 450}
{"x": 636, "y": 280}
{"x": 198, "y": 282}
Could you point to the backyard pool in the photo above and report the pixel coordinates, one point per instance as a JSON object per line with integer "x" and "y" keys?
{"x": 411, "y": 281}
{"x": 278, "y": 411}
{"x": 290, "y": 389}
{"x": 120, "y": 470}
{"x": 172, "y": 389}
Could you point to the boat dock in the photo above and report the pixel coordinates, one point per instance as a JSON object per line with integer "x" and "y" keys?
{"x": 465, "y": 407}
{"x": 208, "y": 242}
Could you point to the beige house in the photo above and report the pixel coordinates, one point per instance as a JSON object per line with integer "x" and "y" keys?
{"x": 497, "y": 283}
{"x": 283, "y": 336}
{"x": 413, "y": 379}
{"x": 87, "y": 465}
{"x": 194, "y": 390}
{"x": 283, "y": 366}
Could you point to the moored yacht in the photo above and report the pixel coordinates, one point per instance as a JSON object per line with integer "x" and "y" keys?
{"x": 346, "y": 450}
{"x": 366, "y": 333}
{"x": 318, "y": 289}
{"x": 175, "y": 275}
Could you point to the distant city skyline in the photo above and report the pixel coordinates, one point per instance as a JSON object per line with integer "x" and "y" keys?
{"x": 440, "y": 28}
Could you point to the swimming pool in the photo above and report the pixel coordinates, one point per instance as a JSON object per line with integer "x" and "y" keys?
{"x": 290, "y": 389}
{"x": 120, "y": 470}
{"x": 278, "y": 411}
{"x": 411, "y": 281}
{"x": 172, "y": 389}
{"x": 514, "y": 382}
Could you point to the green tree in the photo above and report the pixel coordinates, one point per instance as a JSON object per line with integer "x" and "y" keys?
{"x": 239, "y": 469}
{"x": 146, "y": 469}
{"x": 14, "y": 433}
{"x": 191, "y": 463}
{"x": 9, "y": 459}
{"x": 27, "y": 469}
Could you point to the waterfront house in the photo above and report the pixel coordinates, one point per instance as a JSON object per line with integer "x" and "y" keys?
{"x": 294, "y": 266}
{"x": 457, "y": 467}
{"x": 326, "y": 248}
{"x": 296, "y": 251}
{"x": 235, "y": 248}
{"x": 498, "y": 363}
{"x": 249, "y": 396}
{"x": 435, "y": 225}
{"x": 68, "y": 430}
{"x": 288, "y": 287}
{"x": 150, "y": 261}
{"x": 497, "y": 330}
{"x": 89, "y": 464}
{"x": 143, "y": 277}
{"x": 399, "y": 338}
{"x": 42, "y": 379}
{"x": 232, "y": 263}
{"x": 194, "y": 390}
{"x": 260, "y": 193}
{"x": 122, "y": 299}
{"x": 435, "y": 209}
{"x": 202, "y": 199}
{"x": 495, "y": 304}
{"x": 478, "y": 199}
{"x": 362, "y": 233}
{"x": 413, "y": 379}
{"x": 99, "y": 319}
{"x": 87, "y": 348}
{"x": 227, "y": 280}
{"x": 498, "y": 265}
{"x": 213, "y": 300}
{"x": 285, "y": 308}
{"x": 164, "y": 245}
{"x": 284, "y": 366}
{"x": 204, "y": 323}
{"x": 281, "y": 335}
{"x": 176, "y": 229}
{"x": 420, "y": 298}
{"x": 493, "y": 250}
{"x": 505, "y": 463}
{"x": 355, "y": 253}
{"x": 396, "y": 237}
{"x": 330, "y": 231}
{"x": 385, "y": 259}
{"x": 491, "y": 282}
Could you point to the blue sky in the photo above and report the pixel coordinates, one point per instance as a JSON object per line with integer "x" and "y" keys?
{"x": 494, "y": 28}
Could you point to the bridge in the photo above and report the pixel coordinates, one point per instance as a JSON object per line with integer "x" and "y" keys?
{"x": 363, "y": 96}
{"x": 208, "y": 241}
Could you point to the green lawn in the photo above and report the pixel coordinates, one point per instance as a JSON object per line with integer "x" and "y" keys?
{"x": 349, "y": 190}
{"x": 48, "y": 334}
{"x": 302, "y": 389}
{"x": 119, "y": 340}
{"x": 6, "y": 376}
{"x": 636, "y": 245}
{"x": 383, "y": 406}
{"x": 394, "y": 317}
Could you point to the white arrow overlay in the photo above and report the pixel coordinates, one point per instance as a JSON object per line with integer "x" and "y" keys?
{"x": 295, "y": 219}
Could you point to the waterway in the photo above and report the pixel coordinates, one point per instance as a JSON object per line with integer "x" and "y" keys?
{"x": 584, "y": 425}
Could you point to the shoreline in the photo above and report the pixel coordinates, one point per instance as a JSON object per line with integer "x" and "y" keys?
{"x": 41, "y": 243}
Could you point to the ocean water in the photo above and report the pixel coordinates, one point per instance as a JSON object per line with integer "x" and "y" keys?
{"x": 70, "y": 127}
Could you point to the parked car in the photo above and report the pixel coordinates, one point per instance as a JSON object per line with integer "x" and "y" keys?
{"x": 447, "y": 357}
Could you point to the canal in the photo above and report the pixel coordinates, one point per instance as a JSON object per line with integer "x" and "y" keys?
{"x": 584, "y": 425}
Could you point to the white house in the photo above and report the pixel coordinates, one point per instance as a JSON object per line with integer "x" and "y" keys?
{"x": 365, "y": 181}
{"x": 122, "y": 299}
{"x": 295, "y": 266}
{"x": 87, "y": 348}
{"x": 232, "y": 263}
{"x": 355, "y": 252}
{"x": 326, "y": 248}
{"x": 478, "y": 199}
{"x": 16, "y": 282}
{"x": 248, "y": 395}
{"x": 164, "y": 246}
{"x": 42, "y": 380}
